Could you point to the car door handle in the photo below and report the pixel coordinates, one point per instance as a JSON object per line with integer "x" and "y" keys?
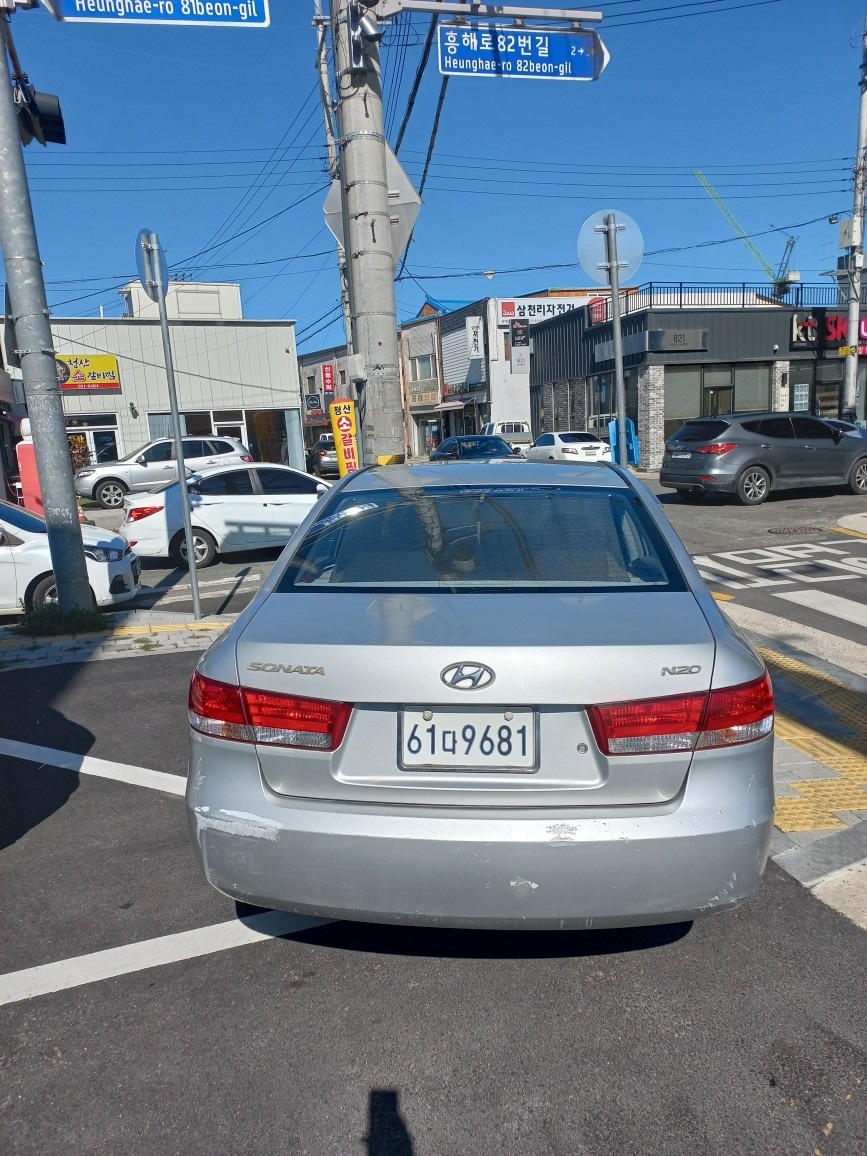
{"x": 809, "y": 447}
{"x": 212, "y": 462}
{"x": 168, "y": 467}
{"x": 765, "y": 445}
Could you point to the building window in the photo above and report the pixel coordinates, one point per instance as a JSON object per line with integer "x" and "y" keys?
{"x": 752, "y": 387}
{"x": 342, "y": 377}
{"x": 311, "y": 383}
{"x": 423, "y": 368}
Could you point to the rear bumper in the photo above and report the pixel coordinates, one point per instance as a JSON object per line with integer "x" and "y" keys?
{"x": 506, "y": 868}
{"x": 705, "y": 482}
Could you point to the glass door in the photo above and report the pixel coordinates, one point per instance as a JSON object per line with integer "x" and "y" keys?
{"x": 718, "y": 401}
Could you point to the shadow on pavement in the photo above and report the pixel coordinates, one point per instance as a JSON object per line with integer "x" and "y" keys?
{"x": 30, "y": 797}
{"x": 451, "y": 943}
{"x": 387, "y": 1135}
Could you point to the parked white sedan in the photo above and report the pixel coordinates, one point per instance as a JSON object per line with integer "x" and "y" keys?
{"x": 569, "y": 446}
{"x": 26, "y": 577}
{"x": 232, "y": 507}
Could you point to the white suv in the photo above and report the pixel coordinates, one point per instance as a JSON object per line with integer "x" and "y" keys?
{"x": 153, "y": 464}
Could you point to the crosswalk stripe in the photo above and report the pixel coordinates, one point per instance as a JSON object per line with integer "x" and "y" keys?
{"x": 845, "y": 608}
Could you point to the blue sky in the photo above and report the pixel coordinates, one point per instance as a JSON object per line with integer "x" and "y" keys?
{"x": 203, "y": 134}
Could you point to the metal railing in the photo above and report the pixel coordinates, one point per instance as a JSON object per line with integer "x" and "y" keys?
{"x": 679, "y": 295}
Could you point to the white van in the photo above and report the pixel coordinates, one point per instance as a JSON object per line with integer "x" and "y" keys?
{"x": 516, "y": 433}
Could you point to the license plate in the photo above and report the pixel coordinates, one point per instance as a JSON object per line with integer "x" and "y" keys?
{"x": 681, "y": 455}
{"x": 468, "y": 740}
{"x": 590, "y": 451}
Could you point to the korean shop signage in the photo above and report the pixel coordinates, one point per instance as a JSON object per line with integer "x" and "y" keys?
{"x": 91, "y": 373}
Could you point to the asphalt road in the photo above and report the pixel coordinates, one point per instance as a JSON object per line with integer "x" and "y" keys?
{"x": 744, "y": 1033}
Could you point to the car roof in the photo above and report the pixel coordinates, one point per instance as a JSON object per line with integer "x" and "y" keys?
{"x": 514, "y": 471}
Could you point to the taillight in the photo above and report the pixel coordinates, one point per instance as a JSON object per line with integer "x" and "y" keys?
{"x": 257, "y": 716}
{"x": 136, "y": 513}
{"x": 738, "y": 714}
{"x": 719, "y": 718}
{"x": 247, "y": 458}
{"x": 569, "y": 450}
{"x": 717, "y": 449}
{"x": 323, "y": 453}
{"x": 215, "y": 708}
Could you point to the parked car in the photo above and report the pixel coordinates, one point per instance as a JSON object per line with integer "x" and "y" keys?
{"x": 322, "y": 457}
{"x": 233, "y": 508}
{"x": 751, "y": 454}
{"x": 152, "y": 464}
{"x": 569, "y": 446}
{"x": 516, "y": 433}
{"x": 478, "y": 447}
{"x": 487, "y": 697}
{"x": 26, "y": 576}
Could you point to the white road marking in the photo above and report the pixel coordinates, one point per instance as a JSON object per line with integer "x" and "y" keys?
{"x": 132, "y": 957}
{"x": 845, "y": 608}
{"x": 831, "y": 647}
{"x": 88, "y": 765}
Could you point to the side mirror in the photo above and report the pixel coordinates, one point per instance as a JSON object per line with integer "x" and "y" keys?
{"x": 516, "y": 450}
{"x": 320, "y": 489}
{"x": 838, "y": 433}
{"x": 142, "y": 460}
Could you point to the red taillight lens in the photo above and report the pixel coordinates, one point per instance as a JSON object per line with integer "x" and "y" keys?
{"x": 660, "y": 724}
{"x": 285, "y": 720}
{"x": 247, "y": 458}
{"x": 256, "y": 716}
{"x": 717, "y": 449}
{"x": 738, "y": 714}
{"x": 136, "y": 513}
{"x": 721, "y": 718}
{"x": 215, "y": 708}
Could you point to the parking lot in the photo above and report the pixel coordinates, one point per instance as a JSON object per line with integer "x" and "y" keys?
{"x": 145, "y": 1013}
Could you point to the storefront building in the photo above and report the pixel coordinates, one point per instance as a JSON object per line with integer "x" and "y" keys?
{"x": 323, "y": 377}
{"x": 689, "y": 360}
{"x": 420, "y": 360}
{"x": 234, "y": 377}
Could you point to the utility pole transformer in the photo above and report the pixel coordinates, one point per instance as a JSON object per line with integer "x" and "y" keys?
{"x": 367, "y": 229}
{"x": 38, "y": 366}
{"x": 856, "y": 248}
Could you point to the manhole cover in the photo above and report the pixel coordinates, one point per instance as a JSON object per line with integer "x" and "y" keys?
{"x": 796, "y": 530}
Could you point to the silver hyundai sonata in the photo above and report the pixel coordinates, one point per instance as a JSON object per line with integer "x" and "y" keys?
{"x": 476, "y": 699}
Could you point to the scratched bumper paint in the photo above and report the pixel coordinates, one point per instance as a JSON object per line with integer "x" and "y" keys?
{"x": 511, "y": 868}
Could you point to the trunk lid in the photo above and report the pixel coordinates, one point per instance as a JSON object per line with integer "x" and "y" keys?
{"x": 552, "y": 654}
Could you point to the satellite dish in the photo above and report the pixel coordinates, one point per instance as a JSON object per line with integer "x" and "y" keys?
{"x": 592, "y": 252}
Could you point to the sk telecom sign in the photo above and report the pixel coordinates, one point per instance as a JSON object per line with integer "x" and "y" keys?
{"x": 205, "y": 13}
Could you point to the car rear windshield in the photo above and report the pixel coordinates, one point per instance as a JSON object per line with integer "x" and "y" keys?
{"x": 474, "y": 538}
{"x": 578, "y": 437}
{"x": 700, "y": 431}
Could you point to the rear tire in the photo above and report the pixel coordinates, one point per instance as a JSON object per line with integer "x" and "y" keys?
{"x": 44, "y": 593}
{"x": 203, "y": 544}
{"x": 754, "y": 485}
{"x": 110, "y": 494}
{"x": 694, "y": 495}
{"x": 858, "y": 477}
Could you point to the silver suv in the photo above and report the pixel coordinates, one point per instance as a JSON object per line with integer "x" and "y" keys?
{"x": 750, "y": 454}
{"x": 153, "y": 464}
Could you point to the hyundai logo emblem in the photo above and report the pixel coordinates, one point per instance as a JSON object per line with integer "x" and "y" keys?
{"x": 467, "y": 676}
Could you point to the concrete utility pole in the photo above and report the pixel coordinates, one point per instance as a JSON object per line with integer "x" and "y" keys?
{"x": 856, "y": 248}
{"x": 367, "y": 230}
{"x": 613, "y": 265}
{"x": 38, "y": 367}
{"x": 333, "y": 163}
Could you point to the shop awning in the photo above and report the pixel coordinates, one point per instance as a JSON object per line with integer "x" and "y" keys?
{"x": 449, "y": 405}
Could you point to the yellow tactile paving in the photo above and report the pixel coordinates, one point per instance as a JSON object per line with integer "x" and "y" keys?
{"x": 802, "y": 815}
{"x": 821, "y": 798}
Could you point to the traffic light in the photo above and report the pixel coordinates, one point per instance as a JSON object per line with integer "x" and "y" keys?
{"x": 39, "y": 115}
{"x": 363, "y": 29}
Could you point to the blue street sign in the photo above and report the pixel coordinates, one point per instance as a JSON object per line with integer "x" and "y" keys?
{"x": 529, "y": 53}
{"x": 205, "y": 13}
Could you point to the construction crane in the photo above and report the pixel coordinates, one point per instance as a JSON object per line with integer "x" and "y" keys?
{"x": 784, "y": 277}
